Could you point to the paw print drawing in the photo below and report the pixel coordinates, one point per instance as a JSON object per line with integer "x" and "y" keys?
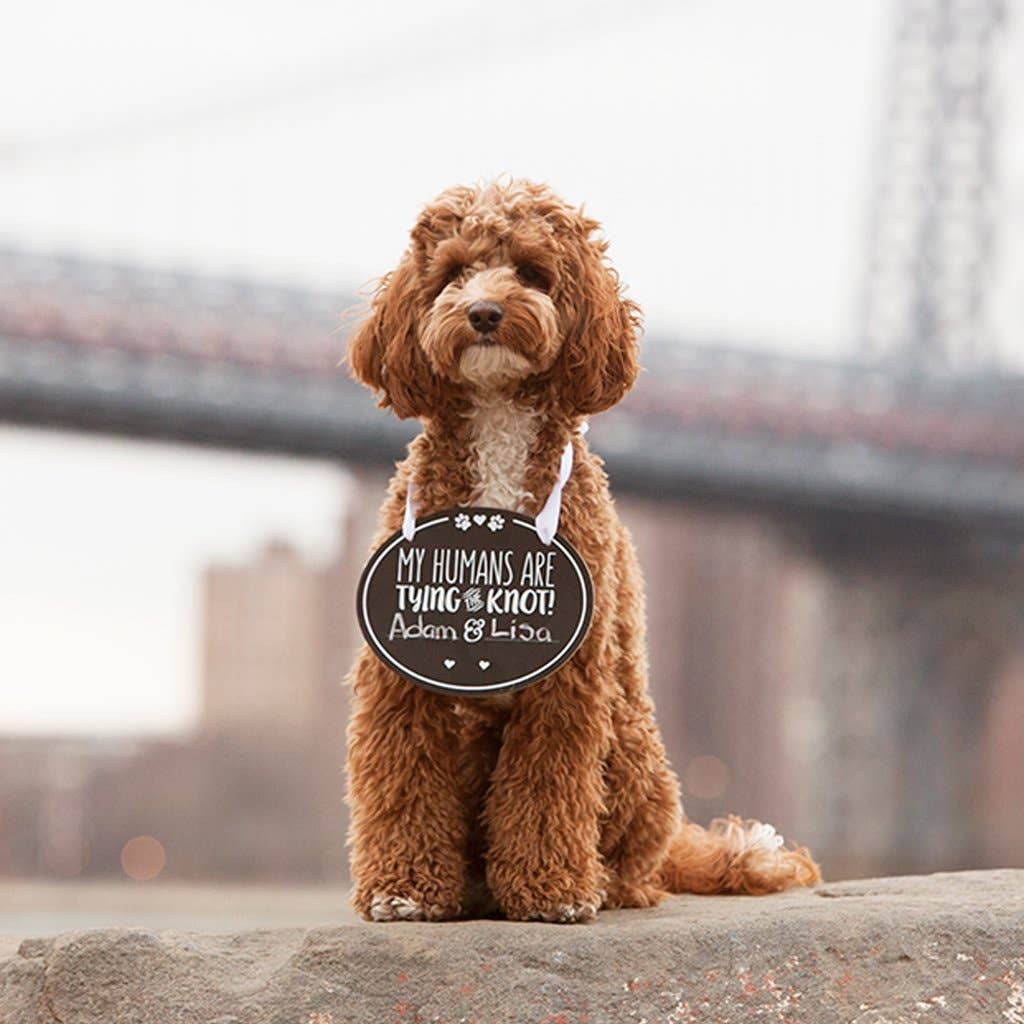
{"x": 496, "y": 523}
{"x": 462, "y": 522}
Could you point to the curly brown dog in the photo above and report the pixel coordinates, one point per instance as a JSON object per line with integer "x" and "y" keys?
{"x": 502, "y": 328}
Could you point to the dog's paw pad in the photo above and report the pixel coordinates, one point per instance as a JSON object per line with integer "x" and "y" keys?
{"x": 395, "y": 908}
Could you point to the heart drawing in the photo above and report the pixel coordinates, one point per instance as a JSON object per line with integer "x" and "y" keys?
{"x": 449, "y": 663}
{"x": 484, "y": 665}
{"x": 479, "y": 520}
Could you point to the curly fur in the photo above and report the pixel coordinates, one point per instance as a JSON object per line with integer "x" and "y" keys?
{"x": 552, "y": 802}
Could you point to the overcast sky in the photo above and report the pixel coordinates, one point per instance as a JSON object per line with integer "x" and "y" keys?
{"x": 725, "y": 144}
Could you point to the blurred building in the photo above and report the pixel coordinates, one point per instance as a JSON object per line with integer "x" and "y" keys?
{"x": 257, "y": 791}
{"x": 860, "y": 687}
{"x": 267, "y": 655}
{"x": 45, "y": 815}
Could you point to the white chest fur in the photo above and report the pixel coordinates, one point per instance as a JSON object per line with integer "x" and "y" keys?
{"x": 502, "y": 435}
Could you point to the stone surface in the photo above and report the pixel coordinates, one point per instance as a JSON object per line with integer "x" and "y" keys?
{"x": 930, "y": 948}
{"x": 49, "y": 907}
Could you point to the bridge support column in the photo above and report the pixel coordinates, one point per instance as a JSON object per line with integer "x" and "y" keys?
{"x": 909, "y": 657}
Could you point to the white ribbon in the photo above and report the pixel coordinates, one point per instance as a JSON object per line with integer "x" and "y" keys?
{"x": 409, "y": 519}
{"x": 547, "y": 518}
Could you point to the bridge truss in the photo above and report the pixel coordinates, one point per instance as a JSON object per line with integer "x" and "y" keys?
{"x": 117, "y": 349}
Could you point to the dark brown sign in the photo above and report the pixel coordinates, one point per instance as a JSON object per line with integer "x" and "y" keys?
{"x": 476, "y": 603}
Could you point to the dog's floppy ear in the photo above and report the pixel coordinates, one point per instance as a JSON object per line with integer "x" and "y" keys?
{"x": 366, "y": 354}
{"x": 384, "y": 352}
{"x": 599, "y": 353}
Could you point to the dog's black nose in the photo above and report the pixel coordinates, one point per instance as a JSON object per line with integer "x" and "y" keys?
{"x": 485, "y": 315}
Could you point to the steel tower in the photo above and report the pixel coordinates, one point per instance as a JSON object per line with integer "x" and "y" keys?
{"x": 931, "y": 241}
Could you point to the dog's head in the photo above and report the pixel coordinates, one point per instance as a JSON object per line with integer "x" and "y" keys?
{"x": 503, "y": 287}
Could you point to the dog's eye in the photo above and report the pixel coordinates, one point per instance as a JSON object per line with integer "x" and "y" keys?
{"x": 533, "y": 277}
{"x": 453, "y": 273}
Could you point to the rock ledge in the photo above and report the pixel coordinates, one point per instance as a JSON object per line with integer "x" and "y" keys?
{"x": 930, "y": 948}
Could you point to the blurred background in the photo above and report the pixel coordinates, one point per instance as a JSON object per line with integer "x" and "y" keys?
{"x": 820, "y": 206}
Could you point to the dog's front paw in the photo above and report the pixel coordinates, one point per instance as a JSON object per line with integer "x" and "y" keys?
{"x": 570, "y": 913}
{"x": 625, "y": 894}
{"x": 395, "y": 908}
{"x": 392, "y": 905}
{"x": 569, "y": 909}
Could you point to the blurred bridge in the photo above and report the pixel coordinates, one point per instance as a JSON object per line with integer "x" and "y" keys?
{"x": 146, "y": 353}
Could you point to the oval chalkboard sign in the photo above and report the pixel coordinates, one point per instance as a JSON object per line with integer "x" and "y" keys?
{"x": 476, "y": 603}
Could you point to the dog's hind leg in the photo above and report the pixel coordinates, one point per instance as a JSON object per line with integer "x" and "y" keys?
{"x": 643, "y": 815}
{"x": 408, "y": 829}
{"x": 642, "y": 810}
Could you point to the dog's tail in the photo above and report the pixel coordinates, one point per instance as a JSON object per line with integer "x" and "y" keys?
{"x": 735, "y": 856}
